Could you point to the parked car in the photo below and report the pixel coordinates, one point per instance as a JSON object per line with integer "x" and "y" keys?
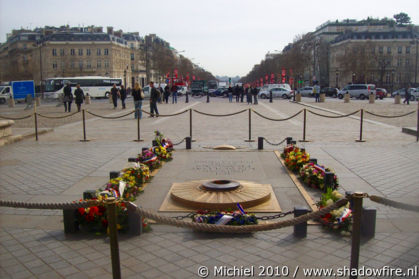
{"x": 276, "y": 93}
{"x": 306, "y": 91}
{"x": 381, "y": 93}
{"x": 361, "y": 91}
{"x": 414, "y": 93}
{"x": 330, "y": 91}
{"x": 181, "y": 90}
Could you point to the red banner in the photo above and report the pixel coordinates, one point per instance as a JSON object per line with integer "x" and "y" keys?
{"x": 272, "y": 78}
{"x": 283, "y": 73}
{"x": 193, "y": 77}
{"x": 175, "y": 72}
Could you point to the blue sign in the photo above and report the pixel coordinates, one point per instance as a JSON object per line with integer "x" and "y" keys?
{"x": 23, "y": 88}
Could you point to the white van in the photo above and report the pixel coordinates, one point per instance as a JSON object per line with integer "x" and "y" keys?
{"x": 361, "y": 91}
{"x": 268, "y": 87}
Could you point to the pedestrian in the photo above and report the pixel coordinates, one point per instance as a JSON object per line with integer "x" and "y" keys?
{"x": 230, "y": 94}
{"x": 68, "y": 97}
{"x": 406, "y": 95}
{"x": 237, "y": 93}
{"x": 316, "y": 91}
{"x": 166, "y": 94}
{"x": 138, "y": 96}
{"x": 154, "y": 98}
{"x": 79, "y": 97}
{"x": 241, "y": 93}
{"x": 255, "y": 95}
{"x": 123, "y": 94}
{"x": 249, "y": 95}
{"x": 115, "y": 93}
{"x": 174, "y": 94}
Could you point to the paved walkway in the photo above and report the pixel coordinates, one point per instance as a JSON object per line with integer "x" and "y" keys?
{"x": 59, "y": 168}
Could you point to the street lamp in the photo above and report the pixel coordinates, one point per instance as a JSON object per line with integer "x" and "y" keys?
{"x": 337, "y": 78}
{"x": 353, "y": 78}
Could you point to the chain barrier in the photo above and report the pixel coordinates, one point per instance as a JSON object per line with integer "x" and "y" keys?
{"x": 219, "y": 115}
{"x": 280, "y": 215}
{"x": 57, "y": 117}
{"x": 16, "y": 118}
{"x": 179, "y": 142}
{"x": 110, "y": 117}
{"x": 333, "y": 116}
{"x": 166, "y": 115}
{"x": 273, "y": 119}
{"x": 275, "y": 144}
{"x": 237, "y": 229}
{"x": 190, "y": 215}
{"x": 390, "y": 116}
{"x": 392, "y": 203}
{"x": 68, "y": 205}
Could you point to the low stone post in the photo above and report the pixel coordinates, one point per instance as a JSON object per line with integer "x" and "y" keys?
{"x": 368, "y": 218}
{"x": 300, "y": 230}
{"x": 88, "y": 99}
{"x": 260, "y": 143}
{"x": 372, "y": 98}
{"x": 113, "y": 174}
{"x": 298, "y": 97}
{"x": 346, "y": 98}
{"x": 397, "y": 99}
{"x": 322, "y": 97}
{"x": 188, "y": 142}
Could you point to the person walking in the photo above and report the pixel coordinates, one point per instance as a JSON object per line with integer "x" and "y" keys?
{"x": 115, "y": 93}
{"x": 68, "y": 97}
{"x": 79, "y": 97}
{"x": 123, "y": 94}
{"x": 316, "y": 91}
{"x": 230, "y": 94}
{"x": 166, "y": 94}
{"x": 237, "y": 93}
{"x": 138, "y": 96}
{"x": 249, "y": 95}
{"x": 255, "y": 95}
{"x": 241, "y": 94}
{"x": 174, "y": 94}
{"x": 406, "y": 95}
{"x": 154, "y": 98}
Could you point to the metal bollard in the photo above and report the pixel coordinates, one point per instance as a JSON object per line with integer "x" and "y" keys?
{"x": 187, "y": 98}
{"x": 348, "y": 195}
{"x": 300, "y": 230}
{"x": 154, "y": 143}
{"x": 208, "y": 98}
{"x": 260, "y": 143}
{"x": 328, "y": 180}
{"x": 270, "y": 96}
{"x": 69, "y": 220}
{"x": 135, "y": 222}
{"x": 357, "y": 198}
{"x": 289, "y": 139}
{"x": 368, "y": 218}
{"x": 89, "y": 194}
{"x": 188, "y": 143}
{"x": 113, "y": 174}
{"x": 132, "y": 160}
{"x": 293, "y": 142}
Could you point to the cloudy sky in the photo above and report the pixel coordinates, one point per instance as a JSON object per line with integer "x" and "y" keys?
{"x": 226, "y": 37}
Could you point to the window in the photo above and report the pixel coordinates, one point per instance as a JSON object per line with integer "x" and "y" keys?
{"x": 407, "y": 62}
{"x": 98, "y": 52}
{"x": 99, "y": 64}
{"x": 132, "y": 56}
{"x": 106, "y": 51}
{"x": 61, "y": 52}
{"x": 88, "y": 64}
{"x": 54, "y": 52}
{"x": 72, "y": 65}
{"x": 132, "y": 45}
{"x": 399, "y": 62}
{"x": 388, "y": 50}
{"x": 88, "y": 52}
{"x": 399, "y": 50}
{"x": 54, "y": 65}
{"x": 80, "y": 51}
{"x": 132, "y": 67}
{"x": 106, "y": 63}
{"x": 81, "y": 64}
{"x": 407, "y": 49}
{"x": 72, "y": 52}
{"x": 381, "y": 50}
{"x": 387, "y": 78}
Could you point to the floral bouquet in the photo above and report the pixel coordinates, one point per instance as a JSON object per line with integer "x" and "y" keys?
{"x": 313, "y": 176}
{"x": 162, "y": 153}
{"x": 233, "y": 218}
{"x": 295, "y": 158}
{"x": 149, "y": 159}
{"x": 94, "y": 219}
{"x": 140, "y": 173}
{"x": 162, "y": 141}
{"x": 338, "y": 219}
{"x": 127, "y": 191}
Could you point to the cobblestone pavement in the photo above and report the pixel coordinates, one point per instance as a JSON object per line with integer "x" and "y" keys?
{"x": 59, "y": 168}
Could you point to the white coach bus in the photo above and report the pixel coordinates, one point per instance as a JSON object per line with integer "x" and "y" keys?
{"x": 97, "y": 87}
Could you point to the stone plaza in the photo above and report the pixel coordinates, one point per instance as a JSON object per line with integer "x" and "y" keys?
{"x": 58, "y": 168}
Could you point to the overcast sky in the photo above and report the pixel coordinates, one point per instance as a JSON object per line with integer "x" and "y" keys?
{"x": 226, "y": 37}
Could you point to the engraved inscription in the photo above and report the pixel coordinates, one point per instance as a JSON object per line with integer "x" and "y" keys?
{"x": 226, "y": 167}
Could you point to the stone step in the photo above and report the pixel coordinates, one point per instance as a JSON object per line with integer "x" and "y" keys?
{"x": 10, "y": 139}
{"x": 6, "y": 128}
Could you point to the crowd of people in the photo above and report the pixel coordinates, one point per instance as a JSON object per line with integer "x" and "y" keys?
{"x": 239, "y": 92}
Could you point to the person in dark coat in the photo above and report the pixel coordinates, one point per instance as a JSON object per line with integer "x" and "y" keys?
{"x": 166, "y": 94}
{"x": 241, "y": 94}
{"x": 123, "y": 94}
{"x": 237, "y": 93}
{"x": 79, "y": 97}
{"x": 68, "y": 97}
{"x": 249, "y": 95}
{"x": 407, "y": 95}
{"x": 138, "y": 100}
{"x": 255, "y": 95}
{"x": 230, "y": 94}
{"x": 174, "y": 94}
{"x": 115, "y": 93}
{"x": 154, "y": 98}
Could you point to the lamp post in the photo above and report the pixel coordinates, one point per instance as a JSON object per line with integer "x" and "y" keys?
{"x": 125, "y": 77}
{"x": 353, "y": 78}
{"x": 337, "y": 78}
{"x": 392, "y": 80}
